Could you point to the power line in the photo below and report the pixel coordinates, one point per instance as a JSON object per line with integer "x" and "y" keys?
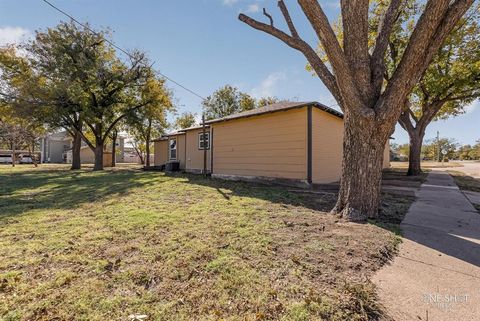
{"x": 118, "y": 47}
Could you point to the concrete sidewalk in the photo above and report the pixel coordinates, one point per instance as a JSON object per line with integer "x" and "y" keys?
{"x": 436, "y": 275}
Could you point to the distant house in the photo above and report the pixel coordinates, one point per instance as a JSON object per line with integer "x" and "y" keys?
{"x": 288, "y": 142}
{"x": 57, "y": 148}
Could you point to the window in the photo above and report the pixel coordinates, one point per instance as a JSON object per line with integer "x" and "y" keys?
{"x": 173, "y": 148}
{"x": 204, "y": 142}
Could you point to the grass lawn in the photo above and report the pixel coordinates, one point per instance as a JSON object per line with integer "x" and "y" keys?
{"x": 467, "y": 183}
{"x": 83, "y": 245}
{"x": 428, "y": 164}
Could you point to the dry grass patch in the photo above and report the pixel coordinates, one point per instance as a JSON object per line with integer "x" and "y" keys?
{"x": 104, "y": 245}
{"x": 466, "y": 182}
{"x": 428, "y": 164}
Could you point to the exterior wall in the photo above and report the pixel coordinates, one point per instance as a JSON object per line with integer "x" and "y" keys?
{"x": 56, "y": 149}
{"x": 160, "y": 152}
{"x": 194, "y": 157}
{"x": 88, "y": 157}
{"x": 327, "y": 147}
{"x": 271, "y": 145}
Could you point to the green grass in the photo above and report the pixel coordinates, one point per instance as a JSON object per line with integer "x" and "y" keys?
{"x": 466, "y": 182}
{"x": 83, "y": 245}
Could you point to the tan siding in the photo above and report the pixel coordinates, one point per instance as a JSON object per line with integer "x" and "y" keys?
{"x": 272, "y": 145}
{"x": 160, "y": 152}
{"x": 88, "y": 157}
{"x": 194, "y": 157}
{"x": 327, "y": 143}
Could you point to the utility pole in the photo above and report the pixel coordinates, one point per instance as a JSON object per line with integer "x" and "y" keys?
{"x": 438, "y": 146}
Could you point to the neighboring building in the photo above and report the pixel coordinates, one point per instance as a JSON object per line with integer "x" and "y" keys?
{"x": 286, "y": 142}
{"x": 54, "y": 147}
{"x": 57, "y": 148}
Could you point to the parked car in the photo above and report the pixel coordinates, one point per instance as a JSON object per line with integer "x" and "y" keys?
{"x": 26, "y": 159}
{"x": 5, "y": 159}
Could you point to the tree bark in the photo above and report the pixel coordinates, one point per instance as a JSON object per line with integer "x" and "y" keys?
{"x": 76, "y": 147}
{"x": 98, "y": 166}
{"x": 114, "y": 147}
{"x": 13, "y": 154}
{"x": 360, "y": 184}
{"x": 147, "y": 155}
{"x": 414, "y": 158}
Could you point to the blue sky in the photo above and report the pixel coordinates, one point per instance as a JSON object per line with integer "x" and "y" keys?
{"x": 201, "y": 44}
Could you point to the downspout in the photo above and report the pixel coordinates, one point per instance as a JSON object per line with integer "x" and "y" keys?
{"x": 211, "y": 150}
{"x": 309, "y": 145}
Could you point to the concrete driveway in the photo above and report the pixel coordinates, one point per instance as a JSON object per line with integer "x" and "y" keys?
{"x": 469, "y": 168}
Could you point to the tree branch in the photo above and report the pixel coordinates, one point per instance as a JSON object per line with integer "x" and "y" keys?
{"x": 355, "y": 42}
{"x": 382, "y": 42}
{"x": 288, "y": 19}
{"x": 436, "y": 22}
{"x": 268, "y": 16}
{"x": 349, "y": 92}
{"x": 296, "y": 43}
{"x": 115, "y": 122}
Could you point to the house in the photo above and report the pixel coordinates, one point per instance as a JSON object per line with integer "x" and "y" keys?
{"x": 57, "y": 148}
{"x": 288, "y": 142}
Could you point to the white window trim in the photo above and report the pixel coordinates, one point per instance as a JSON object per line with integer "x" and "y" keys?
{"x": 170, "y": 149}
{"x": 208, "y": 140}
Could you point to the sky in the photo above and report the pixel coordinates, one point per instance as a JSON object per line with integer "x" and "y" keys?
{"x": 202, "y": 45}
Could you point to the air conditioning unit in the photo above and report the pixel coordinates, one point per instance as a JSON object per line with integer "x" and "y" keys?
{"x": 173, "y": 166}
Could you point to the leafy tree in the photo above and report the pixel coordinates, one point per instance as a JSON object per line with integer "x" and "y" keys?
{"x": 451, "y": 82}
{"x": 151, "y": 119}
{"x": 17, "y": 133}
{"x": 444, "y": 148}
{"x": 355, "y": 77}
{"x": 19, "y": 129}
{"x": 185, "y": 120}
{"x": 88, "y": 82}
{"x": 265, "y": 101}
{"x": 226, "y": 101}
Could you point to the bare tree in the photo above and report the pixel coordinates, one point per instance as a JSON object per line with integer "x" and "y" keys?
{"x": 356, "y": 80}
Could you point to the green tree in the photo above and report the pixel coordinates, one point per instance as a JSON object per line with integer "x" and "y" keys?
{"x": 185, "y": 120}
{"x": 19, "y": 128}
{"x": 87, "y": 80}
{"x": 451, "y": 82}
{"x": 355, "y": 77}
{"x": 226, "y": 101}
{"x": 436, "y": 150}
{"x": 265, "y": 101}
{"x": 151, "y": 119}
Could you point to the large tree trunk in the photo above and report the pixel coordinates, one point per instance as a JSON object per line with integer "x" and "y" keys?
{"x": 414, "y": 158}
{"x": 13, "y": 155}
{"x": 98, "y": 166}
{"x": 114, "y": 148}
{"x": 76, "y": 147}
{"x": 147, "y": 155}
{"x": 360, "y": 184}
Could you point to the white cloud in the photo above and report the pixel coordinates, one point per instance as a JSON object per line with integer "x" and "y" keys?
{"x": 229, "y": 2}
{"x": 13, "y": 35}
{"x": 253, "y": 8}
{"x": 269, "y": 85}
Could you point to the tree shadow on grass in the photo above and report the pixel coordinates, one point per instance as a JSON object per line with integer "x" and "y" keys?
{"x": 393, "y": 209}
{"x": 64, "y": 189}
